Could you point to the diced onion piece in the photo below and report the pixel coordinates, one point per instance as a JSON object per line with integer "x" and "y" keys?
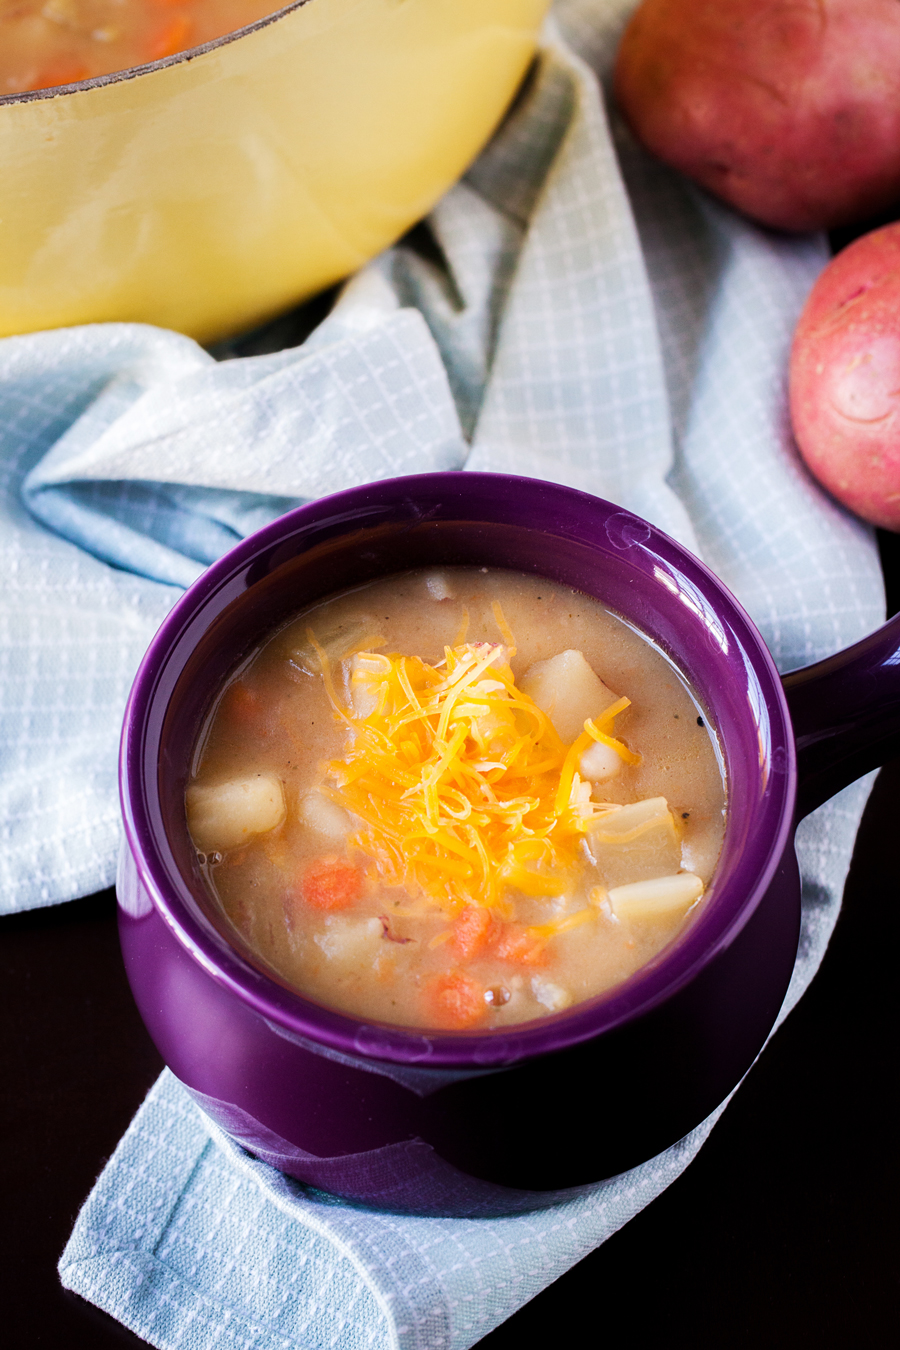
{"x": 317, "y": 812}
{"x": 599, "y": 763}
{"x": 568, "y": 691}
{"x": 632, "y": 821}
{"x": 498, "y": 652}
{"x": 659, "y": 898}
{"x": 368, "y": 673}
{"x": 551, "y": 995}
{"x": 225, "y": 815}
{"x": 353, "y": 634}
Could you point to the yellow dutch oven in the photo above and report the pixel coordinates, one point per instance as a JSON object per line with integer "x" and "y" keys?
{"x": 209, "y": 191}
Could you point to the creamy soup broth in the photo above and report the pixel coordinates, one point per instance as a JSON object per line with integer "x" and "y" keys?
{"x": 323, "y": 838}
{"x": 51, "y": 42}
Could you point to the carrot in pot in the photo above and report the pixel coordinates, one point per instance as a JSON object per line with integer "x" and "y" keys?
{"x": 171, "y": 39}
{"x": 64, "y": 72}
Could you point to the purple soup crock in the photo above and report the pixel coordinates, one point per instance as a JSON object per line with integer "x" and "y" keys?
{"x": 497, "y": 1121}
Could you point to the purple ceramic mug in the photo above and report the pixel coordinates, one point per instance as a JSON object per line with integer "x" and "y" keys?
{"x": 502, "y": 1120}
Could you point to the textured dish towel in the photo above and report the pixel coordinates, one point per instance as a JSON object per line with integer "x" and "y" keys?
{"x": 571, "y": 311}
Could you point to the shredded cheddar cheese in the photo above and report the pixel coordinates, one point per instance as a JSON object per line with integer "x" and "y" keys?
{"x": 461, "y": 786}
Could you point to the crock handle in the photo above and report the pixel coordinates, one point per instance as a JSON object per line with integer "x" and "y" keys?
{"x": 846, "y": 715}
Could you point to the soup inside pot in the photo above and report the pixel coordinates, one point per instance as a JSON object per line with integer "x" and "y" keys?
{"x": 457, "y": 799}
{"x": 51, "y": 42}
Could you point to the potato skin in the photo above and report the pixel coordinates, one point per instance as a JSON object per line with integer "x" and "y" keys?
{"x": 845, "y": 378}
{"x": 787, "y": 109}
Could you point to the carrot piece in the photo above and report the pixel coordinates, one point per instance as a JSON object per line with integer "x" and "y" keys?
{"x": 456, "y": 1001}
{"x": 171, "y": 39}
{"x": 515, "y": 943}
{"x": 242, "y": 705}
{"x": 64, "y": 72}
{"x": 331, "y": 883}
{"x": 240, "y": 701}
{"x": 471, "y": 930}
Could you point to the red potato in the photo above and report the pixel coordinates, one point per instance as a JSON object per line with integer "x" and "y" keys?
{"x": 787, "y": 109}
{"x": 845, "y": 378}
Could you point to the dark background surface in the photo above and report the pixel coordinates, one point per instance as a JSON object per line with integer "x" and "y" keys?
{"x": 782, "y": 1233}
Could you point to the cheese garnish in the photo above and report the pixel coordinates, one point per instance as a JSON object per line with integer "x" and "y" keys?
{"x": 461, "y": 785}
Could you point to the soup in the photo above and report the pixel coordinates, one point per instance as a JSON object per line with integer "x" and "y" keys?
{"x": 457, "y": 799}
{"x": 50, "y": 42}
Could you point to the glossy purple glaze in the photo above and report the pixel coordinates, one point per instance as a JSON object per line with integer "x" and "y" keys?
{"x": 483, "y": 1122}
{"x": 846, "y": 714}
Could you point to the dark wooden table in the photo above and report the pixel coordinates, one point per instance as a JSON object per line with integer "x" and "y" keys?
{"x": 783, "y": 1232}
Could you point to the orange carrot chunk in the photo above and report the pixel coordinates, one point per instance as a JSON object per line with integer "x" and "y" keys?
{"x": 331, "y": 883}
{"x": 63, "y": 72}
{"x": 240, "y": 702}
{"x": 515, "y": 943}
{"x": 456, "y": 1001}
{"x": 471, "y": 930}
{"x": 174, "y": 37}
{"x": 246, "y": 707}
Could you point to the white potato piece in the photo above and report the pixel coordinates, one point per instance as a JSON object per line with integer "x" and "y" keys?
{"x": 568, "y": 691}
{"x": 351, "y": 940}
{"x": 224, "y": 815}
{"x": 599, "y": 763}
{"x": 551, "y": 995}
{"x": 630, "y": 822}
{"x": 635, "y": 842}
{"x": 437, "y": 584}
{"x": 658, "y": 898}
{"x": 319, "y": 813}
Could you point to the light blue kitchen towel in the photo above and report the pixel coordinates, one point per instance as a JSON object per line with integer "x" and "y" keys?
{"x": 571, "y": 311}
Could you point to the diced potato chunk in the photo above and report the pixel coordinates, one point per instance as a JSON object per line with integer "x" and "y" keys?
{"x": 350, "y": 940}
{"x": 318, "y": 812}
{"x": 568, "y": 691}
{"x": 437, "y": 584}
{"x": 551, "y": 995}
{"x": 599, "y": 763}
{"x": 224, "y": 815}
{"x": 636, "y": 842}
{"x": 658, "y": 898}
{"x": 632, "y": 821}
